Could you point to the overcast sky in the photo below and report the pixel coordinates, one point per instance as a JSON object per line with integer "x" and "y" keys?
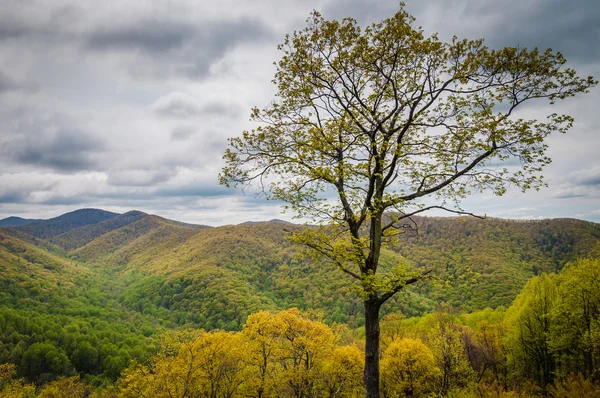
{"x": 125, "y": 105}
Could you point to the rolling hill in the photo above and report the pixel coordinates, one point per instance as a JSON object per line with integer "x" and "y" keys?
{"x": 215, "y": 277}
{"x": 116, "y": 281}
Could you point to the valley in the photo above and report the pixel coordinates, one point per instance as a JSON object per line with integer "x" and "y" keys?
{"x": 88, "y": 292}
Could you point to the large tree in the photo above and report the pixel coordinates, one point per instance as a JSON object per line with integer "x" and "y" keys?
{"x": 372, "y": 126}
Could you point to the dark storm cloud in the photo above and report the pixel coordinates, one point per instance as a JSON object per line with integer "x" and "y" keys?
{"x": 178, "y": 47}
{"x": 64, "y": 149}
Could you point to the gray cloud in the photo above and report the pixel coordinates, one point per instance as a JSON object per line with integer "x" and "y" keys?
{"x": 86, "y": 126}
{"x": 181, "y": 105}
{"x": 571, "y": 27}
{"x": 65, "y": 200}
{"x": 12, "y": 197}
{"x": 7, "y": 83}
{"x": 201, "y": 190}
{"x": 153, "y": 36}
{"x": 587, "y": 177}
{"x": 364, "y": 11}
{"x": 182, "y": 133}
{"x": 32, "y": 20}
{"x": 181, "y": 48}
{"x": 62, "y": 149}
{"x": 139, "y": 178}
{"x": 568, "y": 193}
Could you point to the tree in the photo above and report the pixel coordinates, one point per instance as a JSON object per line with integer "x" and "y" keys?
{"x": 575, "y": 337}
{"x": 408, "y": 368}
{"x": 341, "y": 372}
{"x": 64, "y": 387}
{"x": 444, "y": 339}
{"x": 366, "y": 124}
{"x": 529, "y": 324}
{"x": 304, "y": 345}
{"x": 211, "y": 366}
{"x": 11, "y": 387}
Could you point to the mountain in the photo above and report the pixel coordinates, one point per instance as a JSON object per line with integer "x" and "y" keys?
{"x": 114, "y": 282}
{"x": 55, "y": 226}
{"x": 15, "y": 221}
{"x": 177, "y": 271}
{"x": 79, "y": 236}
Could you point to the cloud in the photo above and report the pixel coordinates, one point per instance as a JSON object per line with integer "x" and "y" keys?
{"x": 572, "y": 28}
{"x": 153, "y": 36}
{"x": 139, "y": 178}
{"x": 12, "y": 197}
{"x": 125, "y": 105}
{"x": 7, "y": 83}
{"x": 181, "y": 105}
{"x": 34, "y": 21}
{"x": 199, "y": 190}
{"x": 182, "y": 133}
{"x": 176, "y": 47}
{"x": 364, "y": 11}
{"x": 570, "y": 193}
{"x": 587, "y": 176}
{"x": 61, "y": 149}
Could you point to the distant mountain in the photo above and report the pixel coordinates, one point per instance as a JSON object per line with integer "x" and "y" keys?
{"x": 259, "y": 222}
{"x": 15, "y": 221}
{"x": 80, "y": 236}
{"x": 55, "y": 226}
{"x": 215, "y": 277}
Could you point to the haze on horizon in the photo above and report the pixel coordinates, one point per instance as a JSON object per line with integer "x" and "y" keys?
{"x": 128, "y": 105}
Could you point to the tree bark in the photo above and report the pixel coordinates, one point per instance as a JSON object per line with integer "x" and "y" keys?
{"x": 371, "y": 375}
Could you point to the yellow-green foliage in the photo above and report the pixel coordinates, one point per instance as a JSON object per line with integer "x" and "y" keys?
{"x": 10, "y": 387}
{"x": 574, "y": 386}
{"x": 408, "y": 368}
{"x": 275, "y": 355}
{"x": 28, "y": 272}
{"x": 64, "y": 387}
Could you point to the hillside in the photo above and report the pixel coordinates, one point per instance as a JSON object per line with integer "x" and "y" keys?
{"x": 116, "y": 281}
{"x": 215, "y": 277}
{"x": 487, "y": 262}
{"x": 58, "y": 316}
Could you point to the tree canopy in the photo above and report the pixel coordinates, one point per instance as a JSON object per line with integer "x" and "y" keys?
{"x": 370, "y": 122}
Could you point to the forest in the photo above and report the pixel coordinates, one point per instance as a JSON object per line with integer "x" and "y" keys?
{"x": 132, "y": 305}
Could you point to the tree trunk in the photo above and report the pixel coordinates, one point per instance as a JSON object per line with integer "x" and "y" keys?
{"x": 371, "y": 375}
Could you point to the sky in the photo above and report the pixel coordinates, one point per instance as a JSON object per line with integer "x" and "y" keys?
{"x": 124, "y": 105}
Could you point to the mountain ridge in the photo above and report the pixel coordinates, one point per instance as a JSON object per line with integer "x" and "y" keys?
{"x": 486, "y": 261}
{"x": 14, "y": 221}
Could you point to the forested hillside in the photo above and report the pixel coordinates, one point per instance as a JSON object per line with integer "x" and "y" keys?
{"x": 86, "y": 293}
{"x": 487, "y": 262}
